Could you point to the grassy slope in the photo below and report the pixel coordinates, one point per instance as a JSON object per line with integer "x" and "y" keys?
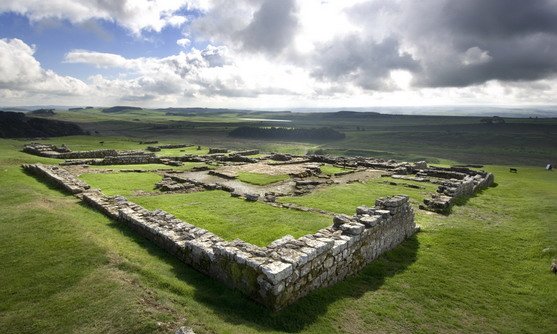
{"x": 261, "y": 179}
{"x": 257, "y": 223}
{"x": 67, "y": 268}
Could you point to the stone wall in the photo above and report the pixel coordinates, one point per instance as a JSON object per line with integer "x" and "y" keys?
{"x": 52, "y": 151}
{"x": 276, "y": 275}
{"x": 128, "y": 160}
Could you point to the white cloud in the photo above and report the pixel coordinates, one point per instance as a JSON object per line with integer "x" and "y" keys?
{"x": 99, "y": 59}
{"x": 20, "y": 72}
{"x": 183, "y": 42}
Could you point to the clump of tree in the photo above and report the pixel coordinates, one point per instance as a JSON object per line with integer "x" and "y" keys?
{"x": 287, "y": 133}
{"x": 493, "y": 120}
{"x": 120, "y": 109}
{"x": 42, "y": 112}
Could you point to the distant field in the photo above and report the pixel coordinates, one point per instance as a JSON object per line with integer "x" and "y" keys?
{"x": 464, "y": 139}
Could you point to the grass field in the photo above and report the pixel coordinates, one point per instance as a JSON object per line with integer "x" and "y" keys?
{"x": 233, "y": 218}
{"x": 484, "y": 268}
{"x": 332, "y": 170}
{"x": 122, "y": 183}
{"x": 261, "y": 179}
{"x": 345, "y": 198}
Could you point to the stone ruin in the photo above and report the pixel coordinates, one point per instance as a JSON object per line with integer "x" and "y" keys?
{"x": 276, "y": 275}
{"x": 96, "y": 157}
{"x": 454, "y": 182}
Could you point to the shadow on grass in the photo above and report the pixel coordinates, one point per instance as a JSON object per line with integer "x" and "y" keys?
{"x": 461, "y": 201}
{"x": 307, "y": 310}
{"x": 51, "y": 185}
{"x": 235, "y": 308}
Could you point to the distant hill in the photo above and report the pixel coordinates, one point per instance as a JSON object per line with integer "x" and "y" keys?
{"x": 18, "y": 125}
{"x": 116, "y": 109}
{"x": 354, "y": 114}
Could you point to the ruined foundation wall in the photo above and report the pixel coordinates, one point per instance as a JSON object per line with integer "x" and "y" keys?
{"x": 276, "y": 275}
{"x": 460, "y": 185}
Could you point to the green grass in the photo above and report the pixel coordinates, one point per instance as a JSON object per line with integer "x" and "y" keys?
{"x": 178, "y": 152}
{"x": 261, "y": 179}
{"x": 484, "y": 268}
{"x": 332, "y": 170}
{"x": 256, "y": 223}
{"x": 186, "y": 166}
{"x": 345, "y": 198}
{"x": 123, "y": 184}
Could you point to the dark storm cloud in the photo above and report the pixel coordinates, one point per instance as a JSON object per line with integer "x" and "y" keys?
{"x": 518, "y": 40}
{"x": 501, "y": 18}
{"x": 453, "y": 43}
{"x": 272, "y": 27}
{"x": 362, "y": 61}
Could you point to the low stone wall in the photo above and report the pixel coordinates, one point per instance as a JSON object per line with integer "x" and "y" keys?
{"x": 52, "y": 151}
{"x": 215, "y": 150}
{"x": 284, "y": 271}
{"x": 462, "y": 183}
{"x": 58, "y": 176}
{"x": 128, "y": 160}
{"x": 248, "y": 152}
{"x": 160, "y": 147}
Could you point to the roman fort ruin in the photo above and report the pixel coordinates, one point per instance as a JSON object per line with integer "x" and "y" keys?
{"x": 288, "y": 268}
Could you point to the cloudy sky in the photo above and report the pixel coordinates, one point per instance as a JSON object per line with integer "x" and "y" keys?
{"x": 278, "y": 53}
